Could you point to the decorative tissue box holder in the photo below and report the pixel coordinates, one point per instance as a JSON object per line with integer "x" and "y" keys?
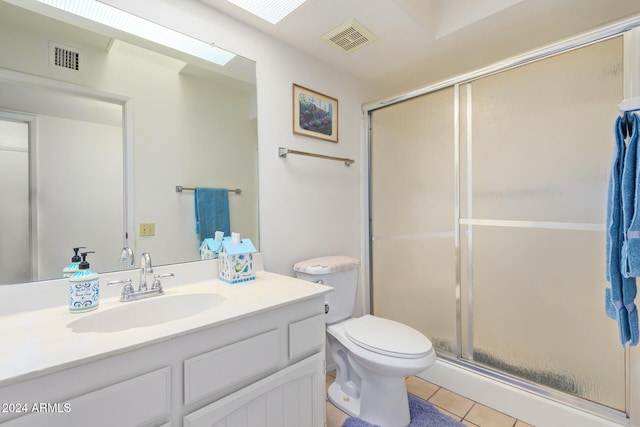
{"x": 236, "y": 261}
{"x": 209, "y": 248}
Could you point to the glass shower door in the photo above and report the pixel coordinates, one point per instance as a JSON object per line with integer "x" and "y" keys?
{"x": 533, "y": 190}
{"x": 414, "y": 262}
{"x": 488, "y": 203}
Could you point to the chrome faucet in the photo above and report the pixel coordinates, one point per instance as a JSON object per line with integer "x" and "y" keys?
{"x": 145, "y": 268}
{"x": 128, "y": 294}
{"x": 126, "y": 256}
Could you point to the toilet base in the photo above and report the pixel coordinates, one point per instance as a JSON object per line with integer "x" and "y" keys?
{"x": 344, "y": 402}
{"x": 386, "y": 405}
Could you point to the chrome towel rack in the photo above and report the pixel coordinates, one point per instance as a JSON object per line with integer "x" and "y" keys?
{"x": 180, "y": 188}
{"x": 282, "y": 152}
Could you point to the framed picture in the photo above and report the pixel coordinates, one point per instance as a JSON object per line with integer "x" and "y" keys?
{"x": 314, "y": 114}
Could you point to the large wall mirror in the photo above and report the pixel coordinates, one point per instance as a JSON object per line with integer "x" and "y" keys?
{"x": 93, "y": 146}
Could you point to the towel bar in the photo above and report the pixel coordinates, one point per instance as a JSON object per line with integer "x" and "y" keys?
{"x": 180, "y": 188}
{"x": 282, "y": 152}
{"x": 629, "y": 104}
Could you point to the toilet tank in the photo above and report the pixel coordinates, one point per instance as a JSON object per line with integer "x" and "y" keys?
{"x": 339, "y": 272}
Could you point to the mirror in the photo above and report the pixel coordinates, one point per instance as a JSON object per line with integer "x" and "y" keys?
{"x": 98, "y": 150}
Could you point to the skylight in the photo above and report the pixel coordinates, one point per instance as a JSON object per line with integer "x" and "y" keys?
{"x": 272, "y": 11}
{"x": 148, "y": 30}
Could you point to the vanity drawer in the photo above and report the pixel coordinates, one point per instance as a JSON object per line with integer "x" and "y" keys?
{"x": 134, "y": 402}
{"x": 217, "y": 370}
{"x": 306, "y": 336}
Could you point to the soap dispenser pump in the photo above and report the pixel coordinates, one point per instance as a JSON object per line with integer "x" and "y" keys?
{"x": 70, "y": 269}
{"x": 84, "y": 288}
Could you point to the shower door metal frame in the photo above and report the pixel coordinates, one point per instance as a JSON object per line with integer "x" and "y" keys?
{"x": 630, "y": 31}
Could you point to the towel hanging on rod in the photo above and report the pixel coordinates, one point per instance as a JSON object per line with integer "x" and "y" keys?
{"x": 180, "y": 188}
{"x": 623, "y": 229}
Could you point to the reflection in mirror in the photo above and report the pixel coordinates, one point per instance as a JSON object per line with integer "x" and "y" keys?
{"x": 14, "y": 186}
{"x": 106, "y": 145}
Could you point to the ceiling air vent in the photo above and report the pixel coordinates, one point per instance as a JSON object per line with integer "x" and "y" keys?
{"x": 61, "y": 56}
{"x": 349, "y": 36}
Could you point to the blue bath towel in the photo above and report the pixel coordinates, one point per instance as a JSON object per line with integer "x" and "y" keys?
{"x": 630, "y": 194}
{"x": 423, "y": 414}
{"x": 621, "y": 289}
{"x": 212, "y": 211}
{"x": 614, "y": 306}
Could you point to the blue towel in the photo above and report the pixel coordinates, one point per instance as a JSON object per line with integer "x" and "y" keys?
{"x": 630, "y": 194}
{"x": 614, "y": 306}
{"x": 212, "y": 211}
{"x": 621, "y": 290}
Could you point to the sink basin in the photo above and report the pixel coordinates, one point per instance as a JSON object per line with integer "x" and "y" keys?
{"x": 148, "y": 312}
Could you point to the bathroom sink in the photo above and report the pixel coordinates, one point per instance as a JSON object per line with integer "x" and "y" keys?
{"x": 148, "y": 312}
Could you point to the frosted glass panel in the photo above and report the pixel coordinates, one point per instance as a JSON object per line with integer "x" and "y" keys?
{"x": 412, "y": 154}
{"x": 542, "y": 137}
{"x": 538, "y": 311}
{"x": 412, "y": 146}
{"x": 415, "y": 284}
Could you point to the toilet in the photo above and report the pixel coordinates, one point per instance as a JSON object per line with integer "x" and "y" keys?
{"x": 373, "y": 355}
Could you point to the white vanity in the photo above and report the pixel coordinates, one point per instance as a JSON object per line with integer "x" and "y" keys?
{"x": 249, "y": 354}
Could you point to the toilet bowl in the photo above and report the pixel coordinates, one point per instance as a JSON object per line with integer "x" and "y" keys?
{"x": 373, "y": 355}
{"x": 377, "y": 354}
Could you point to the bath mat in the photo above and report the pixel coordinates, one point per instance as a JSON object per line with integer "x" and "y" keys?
{"x": 423, "y": 414}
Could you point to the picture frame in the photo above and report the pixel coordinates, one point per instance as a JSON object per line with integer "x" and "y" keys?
{"x": 314, "y": 115}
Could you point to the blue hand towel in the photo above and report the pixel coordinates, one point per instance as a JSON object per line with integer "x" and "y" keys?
{"x": 630, "y": 194}
{"x": 212, "y": 211}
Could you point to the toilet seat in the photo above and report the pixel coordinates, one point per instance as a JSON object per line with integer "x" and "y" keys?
{"x": 387, "y": 337}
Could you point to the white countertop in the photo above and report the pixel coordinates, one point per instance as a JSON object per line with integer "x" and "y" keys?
{"x": 40, "y": 341}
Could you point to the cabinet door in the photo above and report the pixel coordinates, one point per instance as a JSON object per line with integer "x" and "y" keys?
{"x": 292, "y": 397}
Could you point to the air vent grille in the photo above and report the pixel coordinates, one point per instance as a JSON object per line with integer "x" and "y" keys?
{"x": 349, "y": 36}
{"x": 65, "y": 57}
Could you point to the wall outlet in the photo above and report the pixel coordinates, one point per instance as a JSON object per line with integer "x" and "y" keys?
{"x": 147, "y": 229}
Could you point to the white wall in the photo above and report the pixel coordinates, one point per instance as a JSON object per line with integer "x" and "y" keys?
{"x": 308, "y": 207}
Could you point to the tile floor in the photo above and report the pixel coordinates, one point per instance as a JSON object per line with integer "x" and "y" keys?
{"x": 460, "y": 408}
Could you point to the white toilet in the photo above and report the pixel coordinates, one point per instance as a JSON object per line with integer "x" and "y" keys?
{"x": 373, "y": 355}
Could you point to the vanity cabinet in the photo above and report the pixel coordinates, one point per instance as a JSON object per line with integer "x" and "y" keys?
{"x": 263, "y": 369}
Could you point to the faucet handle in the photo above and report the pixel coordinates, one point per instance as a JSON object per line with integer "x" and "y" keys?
{"x": 126, "y": 290}
{"x": 156, "y": 281}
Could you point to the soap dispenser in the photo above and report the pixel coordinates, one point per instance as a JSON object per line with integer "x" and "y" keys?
{"x": 70, "y": 269}
{"x": 84, "y": 289}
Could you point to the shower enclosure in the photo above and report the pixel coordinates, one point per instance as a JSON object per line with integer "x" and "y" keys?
{"x": 487, "y": 212}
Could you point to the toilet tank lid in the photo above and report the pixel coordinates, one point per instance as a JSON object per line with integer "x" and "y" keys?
{"x": 327, "y": 264}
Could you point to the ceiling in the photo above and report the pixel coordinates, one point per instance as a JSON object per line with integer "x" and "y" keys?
{"x": 423, "y": 41}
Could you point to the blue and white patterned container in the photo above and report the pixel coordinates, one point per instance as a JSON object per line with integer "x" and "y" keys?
{"x": 84, "y": 288}
{"x": 236, "y": 261}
